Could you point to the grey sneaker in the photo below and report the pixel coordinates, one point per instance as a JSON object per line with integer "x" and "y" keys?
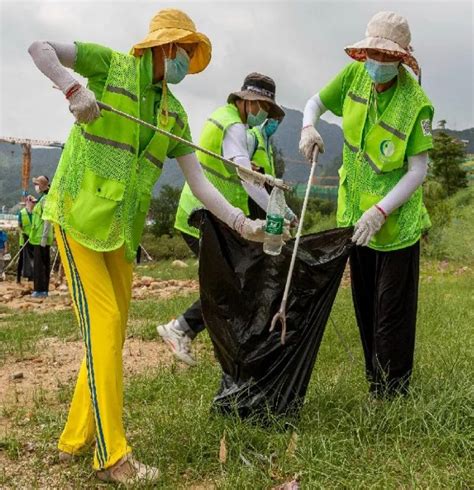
{"x": 178, "y": 341}
{"x": 129, "y": 471}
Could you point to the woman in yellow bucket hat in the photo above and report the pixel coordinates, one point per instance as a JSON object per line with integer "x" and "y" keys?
{"x": 99, "y": 199}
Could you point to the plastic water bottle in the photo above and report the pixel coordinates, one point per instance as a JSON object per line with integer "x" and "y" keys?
{"x": 275, "y": 219}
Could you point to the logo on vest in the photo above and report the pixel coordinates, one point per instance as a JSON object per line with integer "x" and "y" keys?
{"x": 426, "y": 127}
{"x": 387, "y": 148}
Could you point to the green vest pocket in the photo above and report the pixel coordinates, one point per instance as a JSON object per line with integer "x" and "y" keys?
{"x": 94, "y": 208}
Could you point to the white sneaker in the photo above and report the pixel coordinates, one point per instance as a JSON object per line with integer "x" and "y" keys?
{"x": 177, "y": 341}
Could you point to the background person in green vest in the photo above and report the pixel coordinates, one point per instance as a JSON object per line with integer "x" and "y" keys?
{"x": 387, "y": 133}
{"x": 25, "y": 221}
{"x": 41, "y": 238}
{"x": 99, "y": 200}
{"x": 225, "y": 132}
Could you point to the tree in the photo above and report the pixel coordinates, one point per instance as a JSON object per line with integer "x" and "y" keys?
{"x": 163, "y": 210}
{"x": 446, "y": 157}
{"x": 442, "y": 124}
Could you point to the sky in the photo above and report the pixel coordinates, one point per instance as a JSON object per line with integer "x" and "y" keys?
{"x": 299, "y": 44}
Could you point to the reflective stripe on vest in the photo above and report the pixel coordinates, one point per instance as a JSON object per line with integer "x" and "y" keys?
{"x": 102, "y": 189}
{"x": 223, "y": 178}
{"x": 371, "y": 168}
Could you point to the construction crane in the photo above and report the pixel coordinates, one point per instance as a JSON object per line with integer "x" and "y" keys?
{"x": 27, "y": 144}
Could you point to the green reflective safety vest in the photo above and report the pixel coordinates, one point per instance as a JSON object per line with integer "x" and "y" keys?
{"x": 263, "y": 155}
{"x": 103, "y": 186}
{"x": 371, "y": 168}
{"x": 223, "y": 178}
{"x": 37, "y": 223}
{"x": 26, "y": 220}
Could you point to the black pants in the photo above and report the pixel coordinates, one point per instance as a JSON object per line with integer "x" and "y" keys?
{"x": 193, "y": 315}
{"x": 25, "y": 262}
{"x": 41, "y": 268}
{"x": 385, "y": 295}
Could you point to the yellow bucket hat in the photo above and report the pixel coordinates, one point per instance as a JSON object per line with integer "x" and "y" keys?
{"x": 174, "y": 26}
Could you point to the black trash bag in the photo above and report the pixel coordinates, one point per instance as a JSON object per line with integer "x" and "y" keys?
{"x": 241, "y": 290}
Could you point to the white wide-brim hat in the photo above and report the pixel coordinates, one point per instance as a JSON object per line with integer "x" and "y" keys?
{"x": 387, "y": 32}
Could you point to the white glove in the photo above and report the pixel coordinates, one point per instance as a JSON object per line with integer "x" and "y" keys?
{"x": 7, "y": 257}
{"x": 254, "y": 230}
{"x": 368, "y": 225}
{"x": 83, "y": 104}
{"x": 309, "y": 139}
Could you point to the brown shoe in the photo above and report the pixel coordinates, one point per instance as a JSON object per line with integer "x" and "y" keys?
{"x": 65, "y": 457}
{"x": 129, "y": 471}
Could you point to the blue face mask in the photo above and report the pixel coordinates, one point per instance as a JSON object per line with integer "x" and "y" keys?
{"x": 176, "y": 69}
{"x": 258, "y": 119}
{"x": 380, "y": 71}
{"x": 271, "y": 127}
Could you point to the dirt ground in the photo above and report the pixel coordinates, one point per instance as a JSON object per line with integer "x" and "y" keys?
{"x": 41, "y": 377}
{"x": 57, "y": 363}
{"x": 18, "y": 296}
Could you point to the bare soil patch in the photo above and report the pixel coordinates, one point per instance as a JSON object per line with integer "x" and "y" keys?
{"x": 57, "y": 363}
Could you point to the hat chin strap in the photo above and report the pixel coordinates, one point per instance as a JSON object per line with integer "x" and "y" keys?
{"x": 164, "y": 97}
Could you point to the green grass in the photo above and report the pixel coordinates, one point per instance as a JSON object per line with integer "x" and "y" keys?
{"x": 165, "y": 271}
{"x": 20, "y": 332}
{"x": 345, "y": 440}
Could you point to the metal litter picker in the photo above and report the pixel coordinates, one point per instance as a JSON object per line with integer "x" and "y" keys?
{"x": 280, "y": 316}
{"x": 244, "y": 174}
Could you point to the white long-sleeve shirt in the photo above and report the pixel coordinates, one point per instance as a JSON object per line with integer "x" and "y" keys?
{"x": 235, "y": 147}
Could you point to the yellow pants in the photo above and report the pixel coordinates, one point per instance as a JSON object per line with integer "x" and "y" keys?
{"x": 100, "y": 284}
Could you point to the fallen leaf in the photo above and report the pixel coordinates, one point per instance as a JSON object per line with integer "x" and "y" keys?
{"x": 223, "y": 450}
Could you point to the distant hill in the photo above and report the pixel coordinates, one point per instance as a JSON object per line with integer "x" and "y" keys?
{"x": 44, "y": 161}
{"x": 466, "y": 135}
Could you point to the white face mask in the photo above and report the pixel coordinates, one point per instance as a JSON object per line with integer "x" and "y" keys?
{"x": 37, "y": 189}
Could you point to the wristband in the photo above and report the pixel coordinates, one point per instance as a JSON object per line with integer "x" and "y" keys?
{"x": 307, "y": 126}
{"x": 382, "y": 211}
{"x": 71, "y": 91}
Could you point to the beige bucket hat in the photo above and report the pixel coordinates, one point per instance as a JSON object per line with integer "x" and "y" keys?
{"x": 387, "y": 32}
{"x": 42, "y": 181}
{"x": 174, "y": 26}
